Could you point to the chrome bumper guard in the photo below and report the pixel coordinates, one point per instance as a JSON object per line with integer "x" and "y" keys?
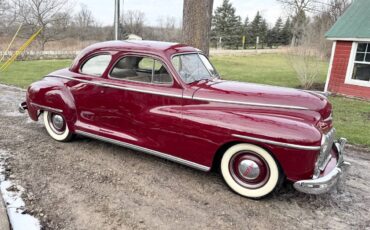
{"x": 326, "y": 183}
{"x": 22, "y": 107}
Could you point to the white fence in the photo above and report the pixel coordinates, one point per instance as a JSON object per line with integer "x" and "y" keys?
{"x": 39, "y": 55}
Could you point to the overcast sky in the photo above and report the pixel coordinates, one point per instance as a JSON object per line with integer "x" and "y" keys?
{"x": 103, "y": 10}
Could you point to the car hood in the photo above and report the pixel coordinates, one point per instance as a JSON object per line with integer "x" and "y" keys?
{"x": 258, "y": 95}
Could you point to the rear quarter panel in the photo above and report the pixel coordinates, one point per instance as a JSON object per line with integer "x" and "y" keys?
{"x": 52, "y": 93}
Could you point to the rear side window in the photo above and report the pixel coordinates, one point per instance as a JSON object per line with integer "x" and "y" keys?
{"x": 96, "y": 65}
{"x": 141, "y": 69}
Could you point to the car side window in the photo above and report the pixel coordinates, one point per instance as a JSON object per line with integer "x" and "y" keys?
{"x": 141, "y": 69}
{"x": 96, "y": 65}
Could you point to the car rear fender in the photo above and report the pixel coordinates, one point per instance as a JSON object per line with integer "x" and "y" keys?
{"x": 54, "y": 96}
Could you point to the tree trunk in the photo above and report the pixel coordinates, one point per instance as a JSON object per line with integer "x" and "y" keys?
{"x": 197, "y": 18}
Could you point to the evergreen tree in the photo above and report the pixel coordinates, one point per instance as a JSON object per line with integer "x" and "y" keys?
{"x": 286, "y": 33}
{"x": 246, "y": 32}
{"x": 227, "y": 25}
{"x": 276, "y": 32}
{"x": 263, "y": 32}
{"x": 255, "y": 27}
{"x": 259, "y": 28}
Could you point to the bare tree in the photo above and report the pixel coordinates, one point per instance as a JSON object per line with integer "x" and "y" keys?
{"x": 52, "y": 15}
{"x": 298, "y": 10}
{"x": 322, "y": 21}
{"x": 133, "y": 22}
{"x": 84, "y": 17}
{"x": 84, "y": 22}
{"x": 168, "y": 30}
{"x": 305, "y": 62}
{"x": 336, "y": 8}
{"x": 7, "y": 15}
{"x": 3, "y": 7}
{"x": 197, "y": 18}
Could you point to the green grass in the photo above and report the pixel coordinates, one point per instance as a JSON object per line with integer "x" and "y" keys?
{"x": 351, "y": 117}
{"x": 271, "y": 69}
{"x": 23, "y": 73}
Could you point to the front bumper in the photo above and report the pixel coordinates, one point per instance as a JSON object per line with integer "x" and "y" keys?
{"x": 325, "y": 183}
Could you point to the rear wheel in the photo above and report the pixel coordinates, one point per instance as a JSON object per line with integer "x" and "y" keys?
{"x": 57, "y": 127}
{"x": 250, "y": 170}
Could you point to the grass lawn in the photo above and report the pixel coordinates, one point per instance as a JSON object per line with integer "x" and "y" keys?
{"x": 271, "y": 69}
{"x": 351, "y": 117}
{"x": 23, "y": 73}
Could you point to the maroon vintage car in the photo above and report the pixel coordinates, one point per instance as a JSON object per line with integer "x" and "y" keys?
{"x": 168, "y": 100}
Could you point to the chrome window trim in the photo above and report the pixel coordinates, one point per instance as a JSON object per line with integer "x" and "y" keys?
{"x": 155, "y": 58}
{"x": 46, "y": 108}
{"x": 88, "y": 58}
{"x": 146, "y": 150}
{"x": 198, "y": 54}
{"x": 277, "y": 143}
{"x": 118, "y": 87}
{"x": 214, "y": 77}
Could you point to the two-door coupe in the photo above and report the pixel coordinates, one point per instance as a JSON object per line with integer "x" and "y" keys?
{"x": 168, "y": 100}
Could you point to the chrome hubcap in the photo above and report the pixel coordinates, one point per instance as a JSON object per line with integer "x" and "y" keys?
{"x": 58, "y": 121}
{"x": 248, "y": 169}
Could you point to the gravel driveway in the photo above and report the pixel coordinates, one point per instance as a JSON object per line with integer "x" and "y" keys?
{"x": 88, "y": 184}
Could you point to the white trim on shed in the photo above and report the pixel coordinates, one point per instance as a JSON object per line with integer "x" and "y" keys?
{"x": 330, "y": 66}
{"x": 350, "y": 67}
{"x": 350, "y": 39}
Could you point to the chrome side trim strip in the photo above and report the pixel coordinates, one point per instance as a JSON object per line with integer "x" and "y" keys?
{"x": 47, "y": 108}
{"x": 149, "y": 151}
{"x": 250, "y": 103}
{"x": 119, "y": 87}
{"x": 293, "y": 146}
{"x": 181, "y": 96}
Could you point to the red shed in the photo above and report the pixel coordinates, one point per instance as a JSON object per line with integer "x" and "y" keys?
{"x": 349, "y": 70}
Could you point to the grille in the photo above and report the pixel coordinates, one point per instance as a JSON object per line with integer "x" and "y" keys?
{"x": 326, "y": 146}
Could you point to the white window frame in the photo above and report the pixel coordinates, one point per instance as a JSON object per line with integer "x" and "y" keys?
{"x": 351, "y": 65}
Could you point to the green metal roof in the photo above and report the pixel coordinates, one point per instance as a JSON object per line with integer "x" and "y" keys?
{"x": 354, "y": 23}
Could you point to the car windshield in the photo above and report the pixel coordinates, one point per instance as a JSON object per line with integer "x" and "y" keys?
{"x": 194, "y": 67}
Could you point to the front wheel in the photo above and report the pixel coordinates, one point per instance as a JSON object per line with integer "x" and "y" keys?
{"x": 57, "y": 127}
{"x": 250, "y": 170}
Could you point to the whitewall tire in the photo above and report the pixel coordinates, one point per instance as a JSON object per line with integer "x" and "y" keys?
{"x": 57, "y": 127}
{"x": 250, "y": 170}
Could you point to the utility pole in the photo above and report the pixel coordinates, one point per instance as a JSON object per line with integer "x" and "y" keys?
{"x": 116, "y": 19}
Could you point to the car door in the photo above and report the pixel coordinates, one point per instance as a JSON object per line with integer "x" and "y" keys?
{"x": 147, "y": 104}
{"x": 88, "y": 92}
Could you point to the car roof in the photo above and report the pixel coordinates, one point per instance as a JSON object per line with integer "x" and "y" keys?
{"x": 162, "y": 49}
{"x": 141, "y": 45}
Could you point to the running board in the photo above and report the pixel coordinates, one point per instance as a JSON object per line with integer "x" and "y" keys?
{"x": 142, "y": 149}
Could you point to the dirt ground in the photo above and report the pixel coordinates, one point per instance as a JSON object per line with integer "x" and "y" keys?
{"x": 88, "y": 184}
